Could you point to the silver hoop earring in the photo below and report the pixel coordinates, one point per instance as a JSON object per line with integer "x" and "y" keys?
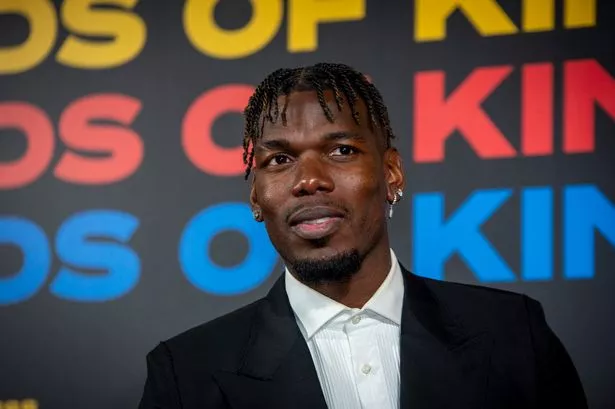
{"x": 257, "y": 215}
{"x": 398, "y": 195}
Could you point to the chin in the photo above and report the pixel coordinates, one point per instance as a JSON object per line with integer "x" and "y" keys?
{"x": 326, "y": 264}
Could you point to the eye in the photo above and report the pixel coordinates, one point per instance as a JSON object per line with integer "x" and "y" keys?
{"x": 278, "y": 159}
{"x": 344, "y": 150}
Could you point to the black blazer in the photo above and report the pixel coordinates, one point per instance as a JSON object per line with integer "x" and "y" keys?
{"x": 461, "y": 346}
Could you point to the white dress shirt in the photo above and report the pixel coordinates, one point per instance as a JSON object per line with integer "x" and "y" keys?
{"x": 355, "y": 351}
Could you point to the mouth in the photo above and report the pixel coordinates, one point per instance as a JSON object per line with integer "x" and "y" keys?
{"x": 316, "y": 222}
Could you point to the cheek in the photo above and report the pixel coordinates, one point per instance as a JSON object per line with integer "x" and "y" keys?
{"x": 366, "y": 191}
{"x": 270, "y": 197}
{"x": 366, "y": 199}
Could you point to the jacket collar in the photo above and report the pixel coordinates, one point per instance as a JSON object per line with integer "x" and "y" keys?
{"x": 438, "y": 353}
{"x": 277, "y": 369}
{"x": 443, "y": 362}
{"x": 314, "y": 310}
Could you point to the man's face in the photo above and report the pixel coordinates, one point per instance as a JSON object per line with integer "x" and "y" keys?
{"x": 322, "y": 187}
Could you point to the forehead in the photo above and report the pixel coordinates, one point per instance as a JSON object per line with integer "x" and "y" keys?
{"x": 305, "y": 115}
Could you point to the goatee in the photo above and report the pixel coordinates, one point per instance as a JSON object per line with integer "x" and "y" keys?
{"x": 338, "y": 268}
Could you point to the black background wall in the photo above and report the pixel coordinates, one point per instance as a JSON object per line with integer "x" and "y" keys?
{"x": 123, "y": 208}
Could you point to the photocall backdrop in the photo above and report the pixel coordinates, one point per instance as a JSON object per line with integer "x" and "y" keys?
{"x": 124, "y": 215}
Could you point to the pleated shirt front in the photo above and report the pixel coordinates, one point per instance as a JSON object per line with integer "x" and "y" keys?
{"x": 355, "y": 351}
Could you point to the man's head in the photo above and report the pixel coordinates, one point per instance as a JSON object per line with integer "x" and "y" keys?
{"x": 318, "y": 141}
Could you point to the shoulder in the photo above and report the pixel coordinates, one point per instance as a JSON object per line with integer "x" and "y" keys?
{"x": 215, "y": 344}
{"x": 454, "y": 291}
{"x": 484, "y": 306}
{"x": 235, "y": 322}
{"x": 180, "y": 370}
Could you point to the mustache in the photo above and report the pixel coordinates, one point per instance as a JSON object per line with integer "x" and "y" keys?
{"x": 307, "y": 205}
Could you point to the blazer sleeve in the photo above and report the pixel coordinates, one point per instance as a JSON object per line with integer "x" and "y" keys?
{"x": 160, "y": 391}
{"x": 559, "y": 385}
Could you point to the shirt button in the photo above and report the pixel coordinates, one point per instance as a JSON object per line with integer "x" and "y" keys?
{"x": 356, "y": 319}
{"x": 366, "y": 369}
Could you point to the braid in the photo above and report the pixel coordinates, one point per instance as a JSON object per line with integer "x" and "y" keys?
{"x": 351, "y": 96}
{"x": 321, "y": 100}
{"x": 336, "y": 92}
{"x": 345, "y": 83}
{"x": 366, "y": 95}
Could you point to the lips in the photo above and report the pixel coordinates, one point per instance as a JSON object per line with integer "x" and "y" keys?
{"x": 310, "y": 214}
{"x": 315, "y": 222}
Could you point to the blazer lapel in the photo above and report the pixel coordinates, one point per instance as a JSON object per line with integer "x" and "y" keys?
{"x": 442, "y": 364}
{"x": 277, "y": 369}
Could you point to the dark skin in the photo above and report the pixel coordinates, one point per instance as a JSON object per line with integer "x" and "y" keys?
{"x": 340, "y": 167}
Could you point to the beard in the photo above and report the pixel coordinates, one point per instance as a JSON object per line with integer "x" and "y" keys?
{"x": 335, "y": 269}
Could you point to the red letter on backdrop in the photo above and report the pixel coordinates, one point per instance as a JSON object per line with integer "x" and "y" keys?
{"x": 197, "y": 139}
{"x": 38, "y": 130}
{"x": 123, "y": 147}
{"x": 436, "y": 117}
{"x": 537, "y": 109}
{"x": 585, "y": 82}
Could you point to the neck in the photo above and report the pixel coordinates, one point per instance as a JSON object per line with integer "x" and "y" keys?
{"x": 357, "y": 290}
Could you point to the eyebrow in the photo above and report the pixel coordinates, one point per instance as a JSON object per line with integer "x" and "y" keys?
{"x": 283, "y": 144}
{"x": 336, "y": 136}
{"x": 272, "y": 145}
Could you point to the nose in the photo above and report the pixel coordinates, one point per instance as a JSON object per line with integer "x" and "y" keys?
{"x": 312, "y": 176}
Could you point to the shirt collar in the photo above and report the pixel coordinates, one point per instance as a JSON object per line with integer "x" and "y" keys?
{"x": 313, "y": 309}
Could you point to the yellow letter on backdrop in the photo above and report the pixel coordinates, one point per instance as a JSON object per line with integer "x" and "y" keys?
{"x": 305, "y": 15}
{"x": 539, "y": 15}
{"x": 485, "y": 15}
{"x": 41, "y": 18}
{"x": 209, "y": 38}
{"x": 126, "y": 28}
{"x": 579, "y": 13}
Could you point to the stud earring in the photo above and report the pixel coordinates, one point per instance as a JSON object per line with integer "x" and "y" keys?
{"x": 396, "y": 198}
{"x": 257, "y": 215}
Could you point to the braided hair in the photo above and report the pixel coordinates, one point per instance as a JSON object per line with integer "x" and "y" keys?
{"x": 345, "y": 83}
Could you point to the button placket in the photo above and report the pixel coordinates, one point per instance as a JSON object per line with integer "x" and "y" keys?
{"x": 363, "y": 349}
{"x": 368, "y": 362}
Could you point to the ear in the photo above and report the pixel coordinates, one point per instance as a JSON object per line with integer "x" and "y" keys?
{"x": 394, "y": 173}
{"x": 253, "y": 197}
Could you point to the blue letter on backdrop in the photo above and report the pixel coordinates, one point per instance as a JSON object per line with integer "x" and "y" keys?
{"x": 31, "y": 240}
{"x": 585, "y": 210}
{"x": 537, "y": 233}
{"x": 436, "y": 240}
{"x": 200, "y": 269}
{"x": 73, "y": 247}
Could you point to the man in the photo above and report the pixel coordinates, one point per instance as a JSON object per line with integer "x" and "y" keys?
{"x": 346, "y": 326}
